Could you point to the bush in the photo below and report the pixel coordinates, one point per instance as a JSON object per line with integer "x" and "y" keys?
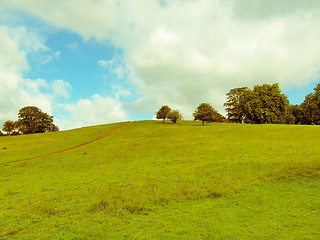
{"x": 174, "y": 116}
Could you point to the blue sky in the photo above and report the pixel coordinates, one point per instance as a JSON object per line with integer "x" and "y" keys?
{"x": 90, "y": 63}
{"x": 77, "y": 63}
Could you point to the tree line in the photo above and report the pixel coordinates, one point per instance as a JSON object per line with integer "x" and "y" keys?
{"x": 263, "y": 104}
{"x": 30, "y": 120}
{"x": 204, "y": 112}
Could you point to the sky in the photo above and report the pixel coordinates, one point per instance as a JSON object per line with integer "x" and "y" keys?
{"x": 93, "y": 62}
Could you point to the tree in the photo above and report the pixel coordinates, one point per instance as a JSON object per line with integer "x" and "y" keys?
{"x": 53, "y": 128}
{"x": 8, "y": 126}
{"x": 1, "y": 134}
{"x": 298, "y": 114}
{"x": 204, "y": 112}
{"x": 33, "y": 120}
{"x": 217, "y": 117}
{"x": 21, "y": 128}
{"x": 311, "y": 107}
{"x": 174, "y": 116}
{"x": 265, "y": 104}
{"x": 15, "y": 133}
{"x": 233, "y": 107}
{"x": 163, "y": 112}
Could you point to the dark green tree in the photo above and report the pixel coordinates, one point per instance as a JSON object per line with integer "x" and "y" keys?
{"x": 15, "y": 133}
{"x": 217, "y": 117}
{"x": 298, "y": 114}
{"x": 204, "y": 112}
{"x": 163, "y": 113}
{"x": 233, "y": 107}
{"x": 1, "y": 134}
{"x": 174, "y": 116}
{"x": 53, "y": 128}
{"x": 8, "y": 126}
{"x": 311, "y": 107}
{"x": 32, "y": 120}
{"x": 265, "y": 104}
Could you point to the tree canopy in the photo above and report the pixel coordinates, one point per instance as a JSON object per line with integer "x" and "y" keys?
{"x": 163, "y": 112}
{"x": 32, "y": 120}
{"x": 217, "y": 117}
{"x": 8, "y": 126}
{"x": 298, "y": 114}
{"x": 174, "y": 116}
{"x": 264, "y": 104}
{"x": 233, "y": 107}
{"x": 311, "y": 107}
{"x": 205, "y": 112}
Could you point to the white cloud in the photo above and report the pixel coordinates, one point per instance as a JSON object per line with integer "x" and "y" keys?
{"x": 17, "y": 92}
{"x": 105, "y": 63}
{"x": 73, "y": 46}
{"x": 60, "y": 89}
{"x": 57, "y": 55}
{"x": 188, "y": 52}
{"x": 27, "y": 41}
{"x": 12, "y": 61}
{"x": 94, "y": 111}
{"x": 115, "y": 67}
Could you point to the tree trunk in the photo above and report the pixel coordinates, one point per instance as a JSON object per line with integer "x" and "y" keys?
{"x": 202, "y": 122}
{"x": 163, "y": 120}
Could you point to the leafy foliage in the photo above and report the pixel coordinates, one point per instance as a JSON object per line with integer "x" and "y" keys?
{"x": 311, "y": 107}
{"x": 233, "y": 107}
{"x": 8, "y": 126}
{"x": 33, "y": 120}
{"x": 15, "y": 133}
{"x": 163, "y": 112}
{"x": 174, "y": 116}
{"x": 217, "y": 117}
{"x": 264, "y": 104}
{"x": 298, "y": 114}
{"x": 205, "y": 112}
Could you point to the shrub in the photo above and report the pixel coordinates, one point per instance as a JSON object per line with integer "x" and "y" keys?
{"x": 174, "y": 116}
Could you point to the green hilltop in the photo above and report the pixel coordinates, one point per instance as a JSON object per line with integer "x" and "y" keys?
{"x": 148, "y": 180}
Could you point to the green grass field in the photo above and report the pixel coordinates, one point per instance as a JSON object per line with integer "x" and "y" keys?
{"x": 163, "y": 181}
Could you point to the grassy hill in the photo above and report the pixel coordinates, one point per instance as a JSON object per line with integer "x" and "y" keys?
{"x": 162, "y": 181}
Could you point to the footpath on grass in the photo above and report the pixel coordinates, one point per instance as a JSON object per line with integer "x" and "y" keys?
{"x": 74, "y": 147}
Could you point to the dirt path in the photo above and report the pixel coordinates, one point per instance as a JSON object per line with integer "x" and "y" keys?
{"x": 74, "y": 147}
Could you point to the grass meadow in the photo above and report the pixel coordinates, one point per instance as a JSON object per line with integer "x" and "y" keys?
{"x": 162, "y": 181}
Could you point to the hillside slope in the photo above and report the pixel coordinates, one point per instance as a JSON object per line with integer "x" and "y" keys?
{"x": 152, "y": 180}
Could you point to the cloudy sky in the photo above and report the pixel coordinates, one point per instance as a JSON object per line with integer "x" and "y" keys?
{"x": 91, "y": 62}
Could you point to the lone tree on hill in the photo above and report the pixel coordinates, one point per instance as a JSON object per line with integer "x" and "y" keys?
{"x": 8, "y": 126}
{"x": 33, "y": 120}
{"x": 174, "y": 116}
{"x": 204, "y": 112}
{"x": 163, "y": 112}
